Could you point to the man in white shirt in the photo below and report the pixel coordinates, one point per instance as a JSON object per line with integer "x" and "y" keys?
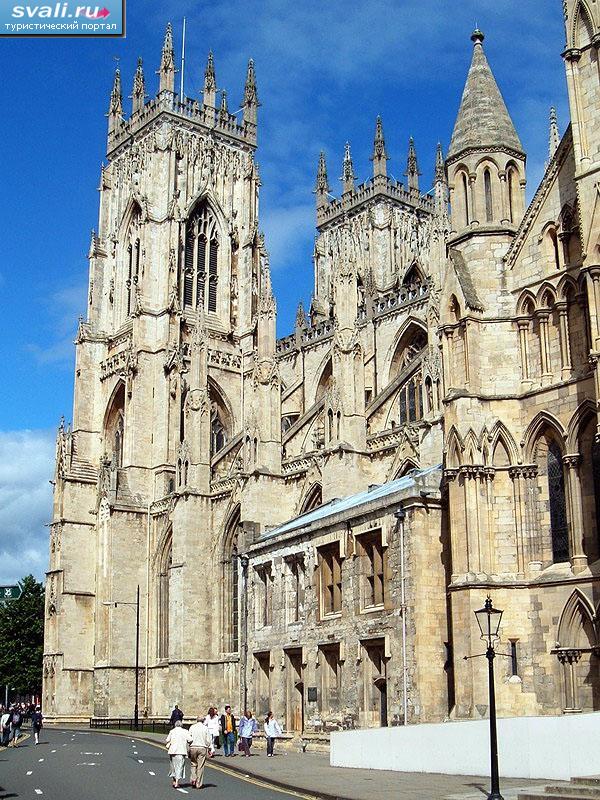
{"x": 5, "y": 727}
{"x": 199, "y": 747}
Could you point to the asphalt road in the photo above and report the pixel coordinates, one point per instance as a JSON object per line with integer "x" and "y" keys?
{"x": 73, "y": 765}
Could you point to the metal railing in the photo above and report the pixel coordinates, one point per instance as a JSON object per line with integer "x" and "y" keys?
{"x": 128, "y": 724}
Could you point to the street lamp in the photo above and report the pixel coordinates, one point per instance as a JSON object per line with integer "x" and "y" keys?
{"x": 488, "y": 619}
{"x": 115, "y": 603}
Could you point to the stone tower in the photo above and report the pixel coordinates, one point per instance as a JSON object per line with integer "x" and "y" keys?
{"x": 178, "y": 277}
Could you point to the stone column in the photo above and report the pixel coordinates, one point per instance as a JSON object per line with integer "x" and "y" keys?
{"x": 523, "y": 326}
{"x": 472, "y": 180}
{"x": 466, "y": 359}
{"x": 578, "y": 557}
{"x": 565, "y": 350}
{"x": 516, "y": 474}
{"x": 532, "y": 533}
{"x": 569, "y": 658}
{"x": 544, "y": 354}
{"x": 593, "y": 287}
{"x": 504, "y": 204}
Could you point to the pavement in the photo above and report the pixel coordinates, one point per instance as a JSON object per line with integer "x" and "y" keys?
{"x": 310, "y": 774}
{"x": 88, "y": 765}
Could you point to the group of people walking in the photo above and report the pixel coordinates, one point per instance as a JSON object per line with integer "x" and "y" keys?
{"x": 11, "y": 722}
{"x": 204, "y": 737}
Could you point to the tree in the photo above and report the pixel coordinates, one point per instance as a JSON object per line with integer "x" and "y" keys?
{"x": 22, "y": 638}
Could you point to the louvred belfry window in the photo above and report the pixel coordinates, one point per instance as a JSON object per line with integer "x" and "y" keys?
{"x": 201, "y": 251}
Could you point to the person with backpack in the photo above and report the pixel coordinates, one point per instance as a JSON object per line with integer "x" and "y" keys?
{"x": 37, "y": 723}
{"x": 16, "y": 720}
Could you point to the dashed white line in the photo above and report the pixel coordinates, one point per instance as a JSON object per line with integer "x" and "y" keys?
{"x": 140, "y": 761}
{"x": 151, "y": 773}
{"x": 30, "y": 772}
{"x": 53, "y": 751}
{"x": 40, "y": 760}
{"x": 38, "y": 791}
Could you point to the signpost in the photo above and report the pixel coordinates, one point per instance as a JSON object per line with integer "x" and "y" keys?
{"x": 10, "y": 592}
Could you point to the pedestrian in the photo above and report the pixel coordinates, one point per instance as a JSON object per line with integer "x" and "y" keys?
{"x": 37, "y": 723}
{"x": 247, "y": 729}
{"x": 211, "y": 720}
{"x": 228, "y": 729}
{"x": 176, "y": 714}
{"x": 272, "y": 730}
{"x": 5, "y": 727}
{"x": 16, "y": 720}
{"x": 200, "y": 747}
{"x": 177, "y": 747}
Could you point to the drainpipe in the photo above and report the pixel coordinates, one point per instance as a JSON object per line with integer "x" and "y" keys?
{"x": 147, "y": 610}
{"x": 400, "y": 515}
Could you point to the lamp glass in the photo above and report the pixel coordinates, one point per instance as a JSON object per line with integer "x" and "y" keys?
{"x": 488, "y": 619}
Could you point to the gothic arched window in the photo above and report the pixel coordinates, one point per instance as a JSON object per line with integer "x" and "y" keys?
{"x": 114, "y": 426}
{"x": 201, "y": 260}
{"x": 231, "y": 585}
{"x": 558, "y": 509}
{"x": 411, "y": 400}
{"x": 489, "y": 207}
{"x": 164, "y": 576}
{"x": 218, "y": 435}
{"x": 313, "y": 499}
{"x": 511, "y": 195}
{"x": 465, "y": 188}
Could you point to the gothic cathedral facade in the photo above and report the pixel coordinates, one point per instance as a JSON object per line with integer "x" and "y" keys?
{"x": 312, "y": 520}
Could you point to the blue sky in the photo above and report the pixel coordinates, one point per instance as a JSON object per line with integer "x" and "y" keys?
{"x": 324, "y": 71}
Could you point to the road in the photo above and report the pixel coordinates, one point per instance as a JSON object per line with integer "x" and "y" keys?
{"x": 75, "y": 765}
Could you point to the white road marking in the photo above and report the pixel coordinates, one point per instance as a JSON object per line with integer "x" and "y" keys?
{"x": 87, "y": 764}
{"x": 40, "y": 760}
{"x": 140, "y": 761}
{"x": 66, "y": 745}
{"x": 86, "y": 754}
{"x": 53, "y": 751}
{"x": 38, "y": 791}
{"x": 30, "y": 772}
{"x": 151, "y": 773}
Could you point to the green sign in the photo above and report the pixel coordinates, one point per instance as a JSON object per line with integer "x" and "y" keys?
{"x": 10, "y": 592}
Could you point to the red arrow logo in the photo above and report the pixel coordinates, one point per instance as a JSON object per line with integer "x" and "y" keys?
{"x": 104, "y": 12}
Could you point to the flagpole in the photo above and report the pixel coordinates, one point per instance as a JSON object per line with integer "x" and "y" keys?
{"x": 181, "y": 96}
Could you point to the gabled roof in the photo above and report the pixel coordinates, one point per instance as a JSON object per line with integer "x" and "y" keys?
{"x": 354, "y": 501}
{"x": 483, "y": 120}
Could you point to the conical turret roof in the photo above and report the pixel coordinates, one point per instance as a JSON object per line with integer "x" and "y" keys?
{"x": 483, "y": 120}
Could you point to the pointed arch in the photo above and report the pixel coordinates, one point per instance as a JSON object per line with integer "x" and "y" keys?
{"x": 576, "y": 627}
{"x": 231, "y": 581}
{"x": 414, "y": 275}
{"x": 222, "y": 423}
{"x": 500, "y": 436}
{"x": 114, "y": 425}
{"x": 546, "y": 295}
{"x": 132, "y": 210}
{"x": 454, "y": 449}
{"x": 541, "y": 421}
{"x": 312, "y": 499}
{"x": 526, "y": 303}
{"x": 407, "y": 466}
{"x": 163, "y": 581}
{"x": 409, "y": 342}
{"x": 204, "y": 239}
{"x": 472, "y": 448}
{"x": 584, "y": 412}
{"x": 582, "y": 30}
{"x": 566, "y": 287}
{"x": 325, "y": 373}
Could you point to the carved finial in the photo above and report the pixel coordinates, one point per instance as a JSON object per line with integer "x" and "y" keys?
{"x": 223, "y": 112}
{"x": 251, "y": 103}
{"x": 440, "y": 174}
{"x": 554, "y": 134}
{"x": 348, "y": 175}
{"x": 322, "y": 185}
{"x": 412, "y": 167}
{"x": 210, "y": 83}
{"x": 139, "y": 87}
{"x": 167, "y": 63}
{"x": 379, "y": 156}
{"x": 115, "y": 109}
{"x": 300, "y": 316}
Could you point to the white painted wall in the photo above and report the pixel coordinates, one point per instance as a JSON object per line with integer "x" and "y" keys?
{"x": 528, "y": 747}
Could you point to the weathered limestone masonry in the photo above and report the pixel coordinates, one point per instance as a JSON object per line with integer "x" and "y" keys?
{"x": 312, "y": 520}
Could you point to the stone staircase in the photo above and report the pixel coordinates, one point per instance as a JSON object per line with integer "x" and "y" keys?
{"x": 577, "y": 789}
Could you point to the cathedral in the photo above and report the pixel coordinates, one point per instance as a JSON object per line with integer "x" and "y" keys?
{"x": 312, "y": 520}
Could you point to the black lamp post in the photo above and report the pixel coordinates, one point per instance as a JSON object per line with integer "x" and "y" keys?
{"x": 488, "y": 619}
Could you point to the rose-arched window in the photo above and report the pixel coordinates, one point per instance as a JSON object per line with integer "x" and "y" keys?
{"x": 200, "y": 279}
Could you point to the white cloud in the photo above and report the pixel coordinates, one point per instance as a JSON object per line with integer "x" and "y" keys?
{"x": 62, "y": 309}
{"x": 26, "y": 466}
